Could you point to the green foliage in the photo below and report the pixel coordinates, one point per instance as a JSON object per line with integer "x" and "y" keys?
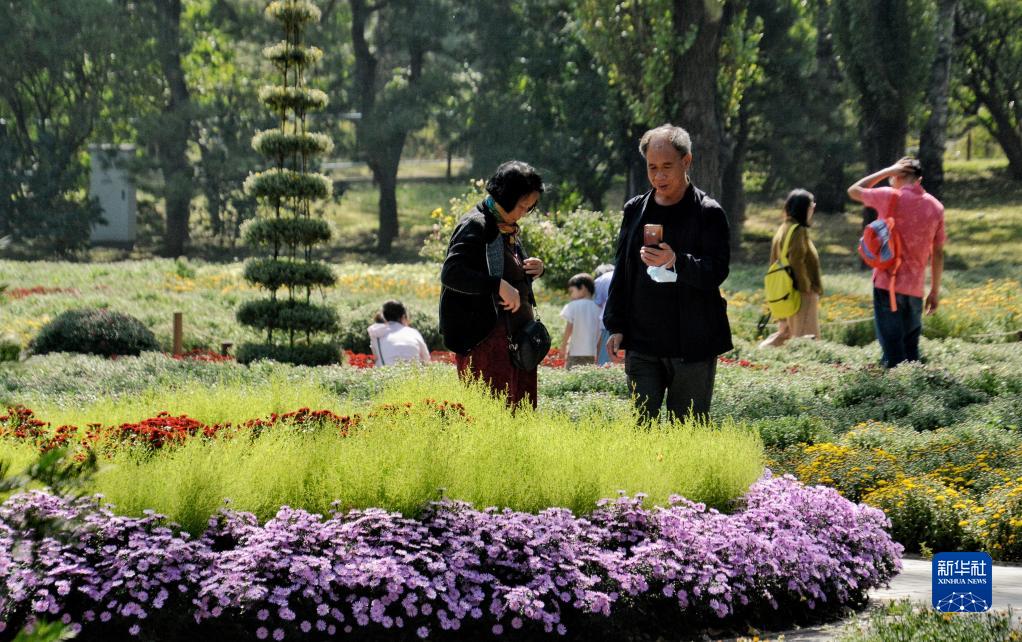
{"x": 907, "y": 621}
{"x": 284, "y": 55}
{"x": 302, "y": 354}
{"x": 46, "y": 632}
{"x": 298, "y": 99}
{"x": 434, "y": 246}
{"x": 925, "y": 398}
{"x": 273, "y": 274}
{"x": 290, "y": 187}
{"x": 988, "y": 66}
{"x": 922, "y": 510}
{"x": 887, "y": 56}
{"x": 277, "y": 144}
{"x": 94, "y": 331}
{"x": 572, "y": 243}
{"x": 10, "y": 349}
{"x": 287, "y": 315}
{"x": 281, "y": 184}
{"x": 72, "y": 54}
{"x": 401, "y": 458}
{"x": 293, "y": 14}
{"x": 288, "y": 231}
{"x": 635, "y": 43}
{"x": 551, "y": 123}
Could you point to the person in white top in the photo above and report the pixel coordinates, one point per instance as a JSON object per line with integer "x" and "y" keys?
{"x": 582, "y": 332}
{"x": 392, "y": 339}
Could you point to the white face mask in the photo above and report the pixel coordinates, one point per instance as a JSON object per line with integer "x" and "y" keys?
{"x": 660, "y": 274}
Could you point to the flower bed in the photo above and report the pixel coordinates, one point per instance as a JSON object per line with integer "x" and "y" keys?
{"x": 949, "y": 489}
{"x": 164, "y": 429}
{"x": 455, "y": 573}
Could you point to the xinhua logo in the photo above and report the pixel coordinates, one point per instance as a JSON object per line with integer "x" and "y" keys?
{"x": 962, "y": 582}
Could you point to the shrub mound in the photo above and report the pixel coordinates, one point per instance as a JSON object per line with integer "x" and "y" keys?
{"x": 456, "y": 573}
{"x": 95, "y": 331}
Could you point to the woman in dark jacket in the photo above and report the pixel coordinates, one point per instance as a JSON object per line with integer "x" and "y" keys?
{"x": 486, "y": 283}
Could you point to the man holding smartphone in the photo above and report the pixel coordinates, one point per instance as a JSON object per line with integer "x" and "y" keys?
{"x": 664, "y": 307}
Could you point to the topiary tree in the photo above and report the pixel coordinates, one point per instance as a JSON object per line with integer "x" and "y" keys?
{"x": 286, "y": 192}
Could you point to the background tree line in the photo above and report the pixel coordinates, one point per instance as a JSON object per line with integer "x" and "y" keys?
{"x": 794, "y": 91}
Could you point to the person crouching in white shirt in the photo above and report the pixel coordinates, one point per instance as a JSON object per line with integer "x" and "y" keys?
{"x": 392, "y": 339}
{"x": 582, "y": 330}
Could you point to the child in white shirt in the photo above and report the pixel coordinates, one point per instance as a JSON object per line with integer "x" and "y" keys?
{"x": 392, "y": 339}
{"x": 582, "y": 331}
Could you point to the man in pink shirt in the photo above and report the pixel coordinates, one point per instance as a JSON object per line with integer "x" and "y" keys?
{"x": 919, "y": 221}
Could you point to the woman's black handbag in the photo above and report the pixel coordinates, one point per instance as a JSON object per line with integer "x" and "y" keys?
{"x": 529, "y": 345}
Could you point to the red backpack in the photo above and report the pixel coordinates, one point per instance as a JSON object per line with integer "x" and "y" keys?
{"x": 880, "y": 246}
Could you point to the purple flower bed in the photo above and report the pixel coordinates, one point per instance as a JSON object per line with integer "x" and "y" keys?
{"x": 454, "y": 573}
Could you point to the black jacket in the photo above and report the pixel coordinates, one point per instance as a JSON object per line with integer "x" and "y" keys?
{"x": 701, "y": 329}
{"x": 468, "y": 294}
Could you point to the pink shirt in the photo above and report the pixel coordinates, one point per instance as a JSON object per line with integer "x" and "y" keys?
{"x": 919, "y": 221}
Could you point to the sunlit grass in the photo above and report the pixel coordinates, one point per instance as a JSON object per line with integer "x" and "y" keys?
{"x": 402, "y": 460}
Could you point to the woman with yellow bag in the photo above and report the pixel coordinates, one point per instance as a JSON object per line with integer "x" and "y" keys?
{"x": 793, "y": 283}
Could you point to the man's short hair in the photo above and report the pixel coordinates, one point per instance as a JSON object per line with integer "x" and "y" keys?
{"x": 914, "y": 167}
{"x": 602, "y": 269}
{"x": 676, "y": 135}
{"x": 393, "y": 310}
{"x": 583, "y": 281}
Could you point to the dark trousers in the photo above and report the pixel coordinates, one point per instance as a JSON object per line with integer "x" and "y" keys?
{"x": 688, "y": 385}
{"x": 898, "y": 332}
{"x": 491, "y": 362}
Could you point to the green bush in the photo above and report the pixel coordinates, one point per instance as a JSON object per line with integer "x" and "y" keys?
{"x": 10, "y": 349}
{"x": 299, "y": 99}
{"x": 273, "y": 274}
{"x": 923, "y": 510}
{"x": 783, "y": 432}
{"x": 282, "y": 54}
{"x": 287, "y": 315}
{"x": 293, "y": 12}
{"x": 924, "y": 397}
{"x": 282, "y": 184}
{"x": 95, "y": 331}
{"x": 287, "y": 231}
{"x": 311, "y": 354}
{"x": 572, "y": 243}
{"x": 275, "y": 143}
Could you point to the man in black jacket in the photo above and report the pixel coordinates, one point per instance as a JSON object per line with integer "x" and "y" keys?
{"x": 665, "y": 308}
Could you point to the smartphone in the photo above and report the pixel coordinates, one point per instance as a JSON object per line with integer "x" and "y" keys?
{"x": 652, "y": 234}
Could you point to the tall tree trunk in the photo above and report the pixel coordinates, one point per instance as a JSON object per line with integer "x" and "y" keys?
{"x": 1000, "y": 127}
{"x": 830, "y": 190}
{"x": 636, "y": 178}
{"x": 732, "y": 185}
{"x": 692, "y": 92}
{"x": 175, "y": 129}
{"x": 883, "y": 139}
{"x": 384, "y": 164}
{"x": 883, "y": 135}
{"x": 934, "y": 134}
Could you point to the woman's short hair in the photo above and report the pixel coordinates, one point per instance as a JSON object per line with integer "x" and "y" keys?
{"x": 393, "y": 311}
{"x": 797, "y": 205}
{"x": 513, "y": 180}
{"x": 676, "y": 135}
{"x": 583, "y": 281}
